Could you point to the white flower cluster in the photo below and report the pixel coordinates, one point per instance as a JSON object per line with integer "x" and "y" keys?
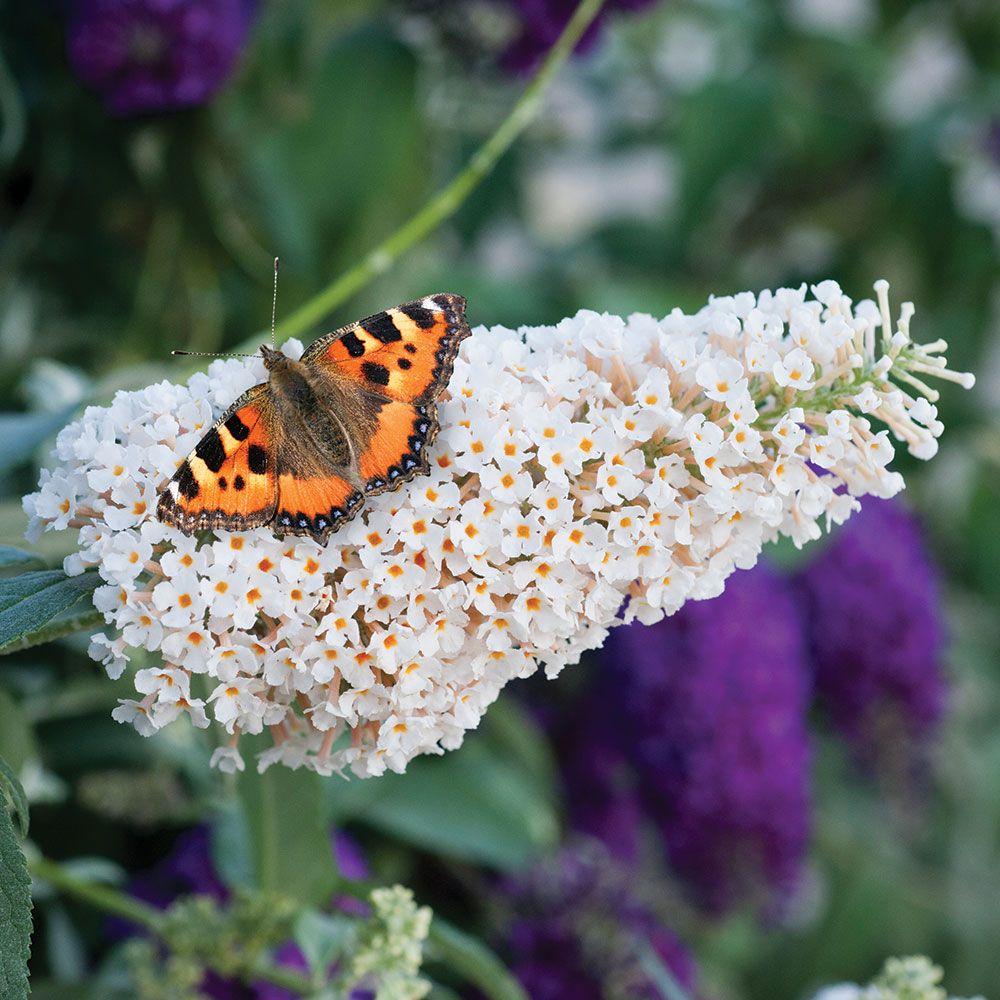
{"x": 586, "y": 474}
{"x": 390, "y": 949}
{"x": 912, "y": 978}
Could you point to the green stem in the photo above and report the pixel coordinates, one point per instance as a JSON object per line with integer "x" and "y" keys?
{"x": 104, "y": 897}
{"x": 447, "y": 201}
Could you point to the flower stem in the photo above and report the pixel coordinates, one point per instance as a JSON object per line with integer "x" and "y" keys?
{"x": 104, "y": 897}
{"x": 450, "y": 198}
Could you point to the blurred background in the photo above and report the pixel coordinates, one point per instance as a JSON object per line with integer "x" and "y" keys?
{"x": 773, "y": 790}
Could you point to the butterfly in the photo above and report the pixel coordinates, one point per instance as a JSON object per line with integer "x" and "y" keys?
{"x": 353, "y": 418}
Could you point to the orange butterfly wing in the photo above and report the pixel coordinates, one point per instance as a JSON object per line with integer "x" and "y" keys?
{"x": 229, "y": 480}
{"x": 406, "y": 353}
{"x": 402, "y": 359}
{"x": 315, "y": 506}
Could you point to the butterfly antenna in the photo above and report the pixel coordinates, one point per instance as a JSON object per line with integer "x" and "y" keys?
{"x": 210, "y": 354}
{"x": 274, "y": 304}
{"x": 274, "y": 308}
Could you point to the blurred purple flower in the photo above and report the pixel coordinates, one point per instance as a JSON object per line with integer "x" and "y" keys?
{"x": 186, "y": 869}
{"x": 542, "y": 21}
{"x": 991, "y": 140}
{"x": 599, "y": 783}
{"x": 713, "y": 703}
{"x": 877, "y": 631}
{"x": 156, "y": 55}
{"x": 578, "y": 931}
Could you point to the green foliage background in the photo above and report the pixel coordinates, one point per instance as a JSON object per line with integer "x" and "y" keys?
{"x": 121, "y": 239}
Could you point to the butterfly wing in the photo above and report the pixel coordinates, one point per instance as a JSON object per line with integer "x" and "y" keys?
{"x": 315, "y": 506}
{"x": 406, "y": 353}
{"x": 397, "y": 362}
{"x": 229, "y": 480}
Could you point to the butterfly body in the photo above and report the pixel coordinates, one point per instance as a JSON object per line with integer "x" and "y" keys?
{"x": 352, "y": 418}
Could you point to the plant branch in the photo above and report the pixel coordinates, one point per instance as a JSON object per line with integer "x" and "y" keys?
{"x": 104, "y": 897}
{"x": 448, "y": 200}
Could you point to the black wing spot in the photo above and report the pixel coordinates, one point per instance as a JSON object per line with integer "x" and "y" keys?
{"x": 353, "y": 343}
{"x": 382, "y": 328}
{"x": 410, "y": 348}
{"x": 237, "y": 428}
{"x": 424, "y": 318}
{"x": 442, "y": 301}
{"x": 405, "y": 364}
{"x": 210, "y": 450}
{"x": 186, "y": 482}
{"x": 223, "y": 483}
{"x": 257, "y": 460}
{"x": 375, "y": 372}
{"x": 238, "y": 483}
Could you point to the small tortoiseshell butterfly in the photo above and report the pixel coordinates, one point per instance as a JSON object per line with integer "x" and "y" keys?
{"x": 354, "y": 417}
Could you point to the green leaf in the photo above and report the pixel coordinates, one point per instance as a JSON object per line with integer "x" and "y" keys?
{"x": 230, "y": 845}
{"x": 12, "y": 797}
{"x": 469, "y": 958}
{"x": 15, "y": 903}
{"x": 65, "y": 951}
{"x": 22, "y": 433}
{"x": 17, "y": 738}
{"x": 12, "y": 557}
{"x": 493, "y": 802}
{"x": 78, "y": 618}
{"x": 31, "y": 605}
{"x": 323, "y": 937}
{"x": 288, "y": 827}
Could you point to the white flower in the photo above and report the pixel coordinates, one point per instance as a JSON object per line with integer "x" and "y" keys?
{"x": 868, "y": 400}
{"x": 722, "y": 379}
{"x": 227, "y": 759}
{"x": 596, "y": 472}
{"x": 794, "y": 370}
{"x": 137, "y": 713}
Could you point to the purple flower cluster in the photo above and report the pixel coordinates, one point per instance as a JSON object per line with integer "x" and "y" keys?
{"x": 714, "y": 699}
{"x": 542, "y": 21}
{"x": 877, "y": 632}
{"x": 156, "y": 55}
{"x": 697, "y": 726}
{"x": 578, "y": 930}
